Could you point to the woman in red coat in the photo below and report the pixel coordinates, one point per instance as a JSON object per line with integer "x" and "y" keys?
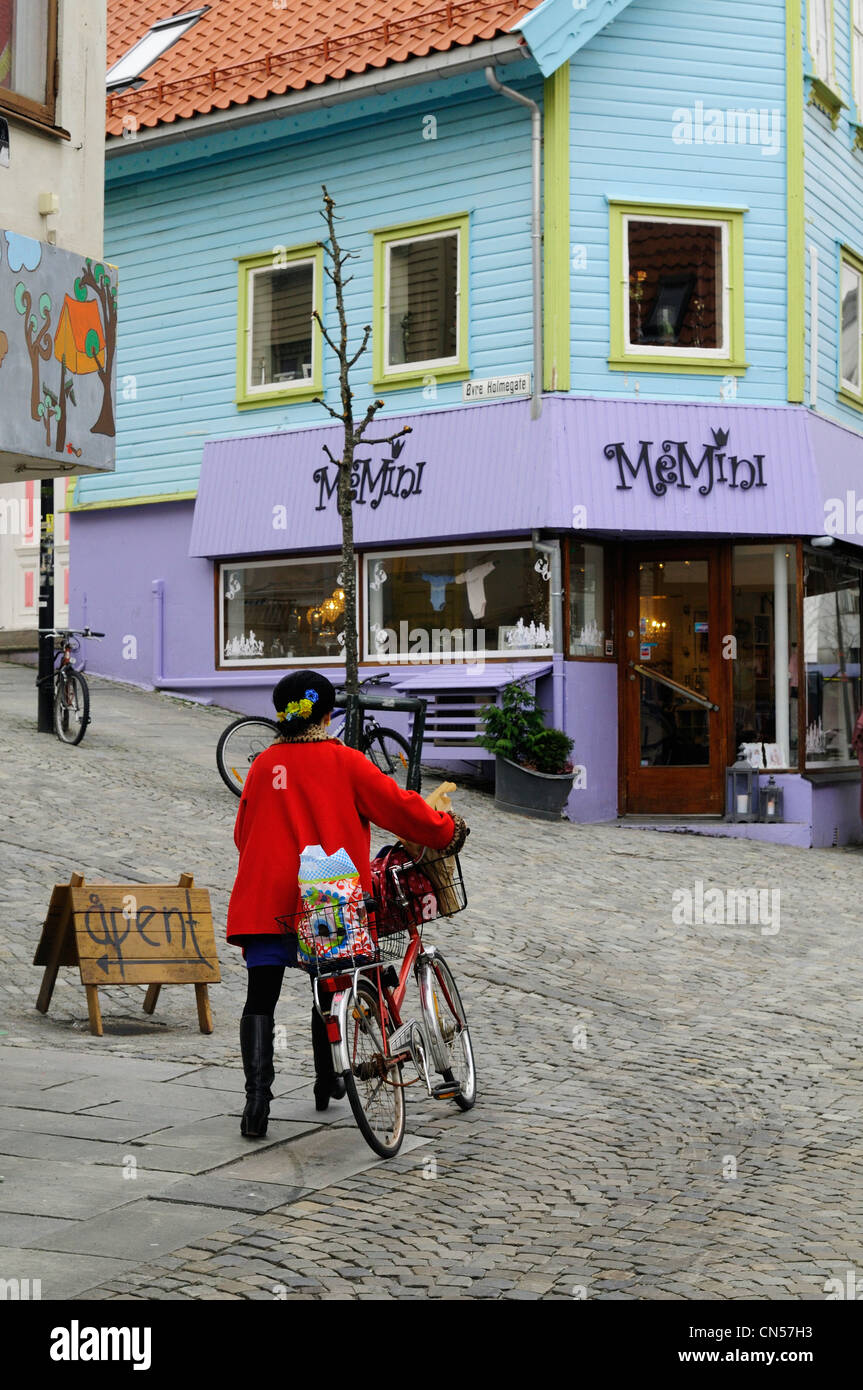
{"x": 307, "y": 789}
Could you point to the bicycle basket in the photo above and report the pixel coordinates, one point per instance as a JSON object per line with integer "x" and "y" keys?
{"x": 332, "y": 933}
{"x": 410, "y": 892}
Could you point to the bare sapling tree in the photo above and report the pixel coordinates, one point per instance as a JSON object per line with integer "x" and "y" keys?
{"x": 336, "y": 258}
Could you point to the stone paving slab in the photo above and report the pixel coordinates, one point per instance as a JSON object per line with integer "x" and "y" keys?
{"x": 235, "y": 1194}
{"x": 62, "y": 1276}
{"x": 316, "y": 1160}
{"x": 27, "y": 1229}
{"x": 145, "y": 1230}
{"x": 76, "y": 1191}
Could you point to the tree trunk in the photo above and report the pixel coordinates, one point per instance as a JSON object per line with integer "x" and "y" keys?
{"x": 349, "y": 573}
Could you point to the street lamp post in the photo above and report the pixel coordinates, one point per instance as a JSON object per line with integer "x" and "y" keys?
{"x": 45, "y": 719}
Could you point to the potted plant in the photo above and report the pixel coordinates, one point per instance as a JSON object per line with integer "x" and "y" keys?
{"x": 533, "y": 772}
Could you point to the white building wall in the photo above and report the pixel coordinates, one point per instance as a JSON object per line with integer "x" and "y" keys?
{"x": 74, "y": 170}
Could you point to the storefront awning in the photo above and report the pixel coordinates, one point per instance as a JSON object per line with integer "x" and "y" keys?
{"x": 620, "y": 466}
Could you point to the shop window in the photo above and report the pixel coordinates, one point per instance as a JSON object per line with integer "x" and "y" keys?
{"x": 677, "y": 299}
{"x": 765, "y": 652}
{"x": 421, "y": 301}
{"x": 588, "y": 618}
{"x": 831, "y": 639}
{"x": 279, "y": 345}
{"x": 851, "y": 325}
{"x": 458, "y": 605}
{"x": 281, "y": 611}
{"x": 28, "y": 49}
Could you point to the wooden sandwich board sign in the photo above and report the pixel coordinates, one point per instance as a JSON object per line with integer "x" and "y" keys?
{"x": 127, "y": 934}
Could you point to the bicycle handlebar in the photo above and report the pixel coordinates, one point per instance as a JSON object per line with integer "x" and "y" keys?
{"x": 69, "y": 632}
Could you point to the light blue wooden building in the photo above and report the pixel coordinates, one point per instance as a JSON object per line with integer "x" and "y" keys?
{"x": 683, "y": 181}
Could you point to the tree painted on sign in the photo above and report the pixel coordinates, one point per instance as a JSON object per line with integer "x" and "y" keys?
{"x": 48, "y": 409}
{"x": 38, "y": 339}
{"x": 98, "y": 279}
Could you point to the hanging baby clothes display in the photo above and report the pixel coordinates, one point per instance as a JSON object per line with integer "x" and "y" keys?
{"x": 475, "y": 580}
{"x": 437, "y": 588}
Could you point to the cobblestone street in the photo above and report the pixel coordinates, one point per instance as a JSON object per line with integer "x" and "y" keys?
{"x": 665, "y": 1111}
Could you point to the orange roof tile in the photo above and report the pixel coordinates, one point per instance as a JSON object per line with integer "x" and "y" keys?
{"x": 243, "y": 50}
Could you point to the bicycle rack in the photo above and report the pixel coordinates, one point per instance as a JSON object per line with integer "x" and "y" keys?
{"x": 354, "y": 705}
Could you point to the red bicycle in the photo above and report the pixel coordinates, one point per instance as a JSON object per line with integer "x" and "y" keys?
{"x": 360, "y": 1000}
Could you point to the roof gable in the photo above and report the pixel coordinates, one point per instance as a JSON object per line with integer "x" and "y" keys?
{"x": 557, "y": 29}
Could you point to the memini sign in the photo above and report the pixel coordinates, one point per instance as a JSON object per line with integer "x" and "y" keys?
{"x": 673, "y": 465}
{"x": 372, "y": 482}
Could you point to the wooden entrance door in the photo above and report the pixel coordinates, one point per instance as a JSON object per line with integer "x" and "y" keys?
{"x": 673, "y": 734}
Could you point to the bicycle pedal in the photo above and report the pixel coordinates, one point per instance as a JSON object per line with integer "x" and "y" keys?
{"x": 445, "y": 1090}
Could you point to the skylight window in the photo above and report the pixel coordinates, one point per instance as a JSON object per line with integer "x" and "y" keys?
{"x": 144, "y": 53}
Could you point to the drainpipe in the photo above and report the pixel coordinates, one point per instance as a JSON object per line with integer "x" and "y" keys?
{"x": 552, "y": 550}
{"x": 535, "y": 231}
{"x": 242, "y": 679}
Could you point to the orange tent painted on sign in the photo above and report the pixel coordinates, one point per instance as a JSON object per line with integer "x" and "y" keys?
{"x": 77, "y": 319}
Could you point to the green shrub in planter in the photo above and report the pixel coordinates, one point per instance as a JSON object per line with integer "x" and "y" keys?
{"x": 516, "y": 729}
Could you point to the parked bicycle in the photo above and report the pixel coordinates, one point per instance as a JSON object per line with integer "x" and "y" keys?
{"x": 360, "y": 997}
{"x": 71, "y": 692}
{"x": 249, "y": 735}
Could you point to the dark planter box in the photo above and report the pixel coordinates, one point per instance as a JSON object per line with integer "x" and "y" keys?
{"x": 542, "y": 795}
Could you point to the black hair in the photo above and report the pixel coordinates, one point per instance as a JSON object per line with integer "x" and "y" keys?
{"x": 298, "y": 687}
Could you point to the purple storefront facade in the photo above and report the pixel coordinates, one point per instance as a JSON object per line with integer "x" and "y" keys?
{"x": 677, "y": 581}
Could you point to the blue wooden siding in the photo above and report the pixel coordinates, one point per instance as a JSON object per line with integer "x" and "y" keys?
{"x": 834, "y": 217}
{"x": 659, "y": 56}
{"x": 175, "y": 237}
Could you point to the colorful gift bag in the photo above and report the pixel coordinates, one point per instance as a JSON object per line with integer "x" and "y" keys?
{"x": 333, "y": 924}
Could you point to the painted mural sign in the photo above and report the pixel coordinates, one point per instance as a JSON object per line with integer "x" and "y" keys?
{"x": 371, "y": 483}
{"x": 673, "y": 464}
{"x": 58, "y": 341}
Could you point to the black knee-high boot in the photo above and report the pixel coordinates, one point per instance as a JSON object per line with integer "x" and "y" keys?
{"x": 256, "y": 1045}
{"x": 328, "y": 1086}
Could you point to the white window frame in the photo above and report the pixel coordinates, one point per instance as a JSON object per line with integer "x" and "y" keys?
{"x": 224, "y": 566}
{"x": 129, "y": 68}
{"x": 846, "y": 264}
{"x": 412, "y": 368}
{"x": 721, "y": 353}
{"x": 857, "y": 54}
{"x": 449, "y": 658}
{"x": 268, "y": 388}
{"x": 820, "y": 22}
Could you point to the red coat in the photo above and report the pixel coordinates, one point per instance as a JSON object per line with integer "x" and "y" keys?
{"x": 326, "y": 795}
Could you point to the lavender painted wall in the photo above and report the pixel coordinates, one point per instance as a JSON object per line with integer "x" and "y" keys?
{"x": 591, "y": 719}
{"x": 119, "y": 552}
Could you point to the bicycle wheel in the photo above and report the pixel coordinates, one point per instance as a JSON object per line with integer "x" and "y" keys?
{"x": 374, "y": 1088}
{"x": 71, "y": 706}
{"x": 446, "y": 1026}
{"x": 238, "y": 747}
{"x": 390, "y": 752}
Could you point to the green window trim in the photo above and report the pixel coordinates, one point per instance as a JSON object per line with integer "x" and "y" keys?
{"x": 413, "y": 374}
{"x": 621, "y": 359}
{"x": 557, "y": 347}
{"x": 247, "y": 399}
{"x": 825, "y": 99}
{"x": 845, "y": 392}
{"x": 795, "y": 249}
